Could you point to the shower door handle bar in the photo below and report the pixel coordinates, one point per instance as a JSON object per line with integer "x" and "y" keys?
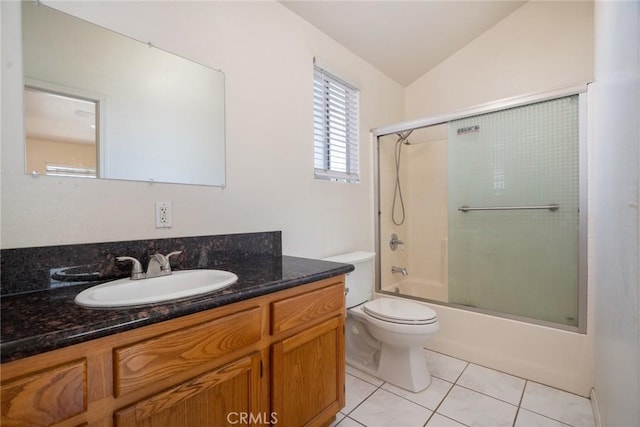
{"x": 551, "y": 207}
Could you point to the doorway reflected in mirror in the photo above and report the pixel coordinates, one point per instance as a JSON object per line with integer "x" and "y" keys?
{"x": 61, "y": 134}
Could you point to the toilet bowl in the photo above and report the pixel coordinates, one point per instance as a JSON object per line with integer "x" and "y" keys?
{"x": 385, "y": 336}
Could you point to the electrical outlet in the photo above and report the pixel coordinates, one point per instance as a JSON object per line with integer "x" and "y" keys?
{"x": 163, "y": 214}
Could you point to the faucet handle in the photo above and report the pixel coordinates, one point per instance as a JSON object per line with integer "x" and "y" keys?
{"x": 163, "y": 260}
{"x": 136, "y": 271}
{"x": 170, "y": 254}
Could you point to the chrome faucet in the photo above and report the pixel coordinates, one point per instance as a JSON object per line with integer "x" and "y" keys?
{"x": 158, "y": 266}
{"x": 401, "y": 270}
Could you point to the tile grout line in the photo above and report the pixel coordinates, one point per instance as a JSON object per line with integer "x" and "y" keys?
{"x": 493, "y": 397}
{"x": 435, "y": 411}
{"x": 548, "y": 417}
{"x": 351, "y": 419}
{"x": 506, "y": 373}
{"x": 461, "y": 372}
{"x": 520, "y": 402}
{"x": 518, "y": 406}
{"x": 503, "y": 372}
{"x": 363, "y": 400}
{"x": 488, "y": 395}
{"x": 545, "y": 415}
{"x": 381, "y": 387}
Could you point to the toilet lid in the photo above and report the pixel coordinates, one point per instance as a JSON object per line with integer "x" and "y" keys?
{"x": 400, "y": 311}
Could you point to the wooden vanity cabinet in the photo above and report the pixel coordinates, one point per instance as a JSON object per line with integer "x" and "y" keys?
{"x": 276, "y": 359}
{"x": 308, "y": 375}
{"x": 215, "y": 398}
{"x": 45, "y": 397}
{"x": 308, "y": 366}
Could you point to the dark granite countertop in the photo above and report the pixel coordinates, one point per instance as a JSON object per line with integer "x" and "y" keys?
{"x": 41, "y": 321}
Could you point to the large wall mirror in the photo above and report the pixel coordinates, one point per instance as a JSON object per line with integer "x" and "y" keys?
{"x": 102, "y": 105}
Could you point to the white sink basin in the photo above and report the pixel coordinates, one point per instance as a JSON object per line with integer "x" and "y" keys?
{"x": 179, "y": 284}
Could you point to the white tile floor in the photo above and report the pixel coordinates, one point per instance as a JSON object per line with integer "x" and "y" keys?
{"x": 461, "y": 394}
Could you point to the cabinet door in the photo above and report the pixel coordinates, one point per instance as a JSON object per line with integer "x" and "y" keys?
{"x": 308, "y": 375}
{"x": 46, "y": 397}
{"x": 217, "y": 398}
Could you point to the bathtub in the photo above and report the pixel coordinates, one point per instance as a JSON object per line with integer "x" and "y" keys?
{"x": 550, "y": 356}
{"x": 427, "y": 289}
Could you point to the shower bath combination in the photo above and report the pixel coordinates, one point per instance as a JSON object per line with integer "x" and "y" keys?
{"x": 490, "y": 207}
{"x": 403, "y": 139}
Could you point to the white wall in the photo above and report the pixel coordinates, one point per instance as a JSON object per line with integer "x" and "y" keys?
{"x": 540, "y": 47}
{"x": 616, "y": 160}
{"x": 266, "y": 53}
{"x": 543, "y": 45}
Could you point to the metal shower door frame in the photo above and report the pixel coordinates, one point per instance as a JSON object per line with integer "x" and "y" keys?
{"x": 582, "y": 91}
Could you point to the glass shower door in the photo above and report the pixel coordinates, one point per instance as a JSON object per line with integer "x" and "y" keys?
{"x": 513, "y": 213}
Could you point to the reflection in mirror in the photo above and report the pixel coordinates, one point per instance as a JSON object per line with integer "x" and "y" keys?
{"x": 157, "y": 117}
{"x": 60, "y": 134}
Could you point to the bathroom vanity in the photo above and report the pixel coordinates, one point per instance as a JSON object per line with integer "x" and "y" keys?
{"x": 263, "y": 351}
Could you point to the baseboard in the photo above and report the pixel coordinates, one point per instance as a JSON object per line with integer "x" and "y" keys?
{"x": 594, "y": 407}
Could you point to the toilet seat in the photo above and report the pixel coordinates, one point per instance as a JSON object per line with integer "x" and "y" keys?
{"x": 400, "y": 311}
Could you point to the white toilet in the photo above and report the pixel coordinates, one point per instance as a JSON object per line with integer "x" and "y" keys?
{"x": 385, "y": 336}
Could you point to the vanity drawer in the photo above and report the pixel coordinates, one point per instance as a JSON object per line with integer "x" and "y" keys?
{"x": 301, "y": 309}
{"x": 45, "y": 397}
{"x": 164, "y": 356}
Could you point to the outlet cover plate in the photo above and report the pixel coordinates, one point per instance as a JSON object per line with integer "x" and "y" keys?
{"x": 163, "y": 215}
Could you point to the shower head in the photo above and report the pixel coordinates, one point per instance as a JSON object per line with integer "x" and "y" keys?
{"x": 403, "y": 137}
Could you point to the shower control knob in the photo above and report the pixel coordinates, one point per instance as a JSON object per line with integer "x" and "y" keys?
{"x": 394, "y": 242}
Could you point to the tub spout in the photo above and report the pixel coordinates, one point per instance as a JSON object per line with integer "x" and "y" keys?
{"x": 401, "y": 270}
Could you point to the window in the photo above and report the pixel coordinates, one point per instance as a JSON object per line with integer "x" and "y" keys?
{"x": 335, "y": 128}
{"x": 67, "y": 170}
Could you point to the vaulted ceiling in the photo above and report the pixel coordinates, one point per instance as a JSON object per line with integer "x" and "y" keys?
{"x": 403, "y": 39}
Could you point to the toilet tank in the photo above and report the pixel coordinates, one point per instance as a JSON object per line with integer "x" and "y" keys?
{"x": 360, "y": 281}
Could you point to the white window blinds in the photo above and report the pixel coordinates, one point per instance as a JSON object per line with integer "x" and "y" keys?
{"x": 335, "y": 127}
